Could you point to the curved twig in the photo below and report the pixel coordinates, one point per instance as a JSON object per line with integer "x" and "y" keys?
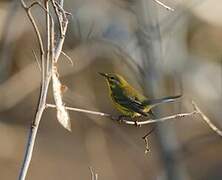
{"x": 207, "y": 120}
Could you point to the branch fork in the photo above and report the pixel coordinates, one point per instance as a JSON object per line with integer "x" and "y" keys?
{"x": 130, "y": 121}
{"x": 48, "y": 60}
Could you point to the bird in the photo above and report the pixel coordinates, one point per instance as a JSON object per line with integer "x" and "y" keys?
{"x": 130, "y": 102}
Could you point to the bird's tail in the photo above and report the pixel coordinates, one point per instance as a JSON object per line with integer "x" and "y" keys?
{"x": 161, "y": 100}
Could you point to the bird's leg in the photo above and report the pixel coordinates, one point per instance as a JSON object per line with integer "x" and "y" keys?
{"x": 149, "y": 132}
{"x": 136, "y": 120}
{"x": 136, "y": 123}
{"x": 145, "y": 138}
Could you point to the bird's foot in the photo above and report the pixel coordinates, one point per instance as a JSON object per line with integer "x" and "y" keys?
{"x": 137, "y": 123}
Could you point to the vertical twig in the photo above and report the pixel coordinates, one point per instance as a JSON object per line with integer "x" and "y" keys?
{"x": 46, "y": 72}
{"x": 48, "y": 35}
{"x": 42, "y": 100}
{"x": 94, "y": 175}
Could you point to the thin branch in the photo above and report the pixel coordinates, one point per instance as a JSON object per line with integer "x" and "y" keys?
{"x": 34, "y": 129}
{"x": 207, "y": 120}
{"x": 61, "y": 16}
{"x": 58, "y": 18}
{"x": 28, "y": 11}
{"x": 46, "y": 73}
{"x": 42, "y": 98}
{"x": 39, "y": 37}
{"x": 147, "y": 134}
{"x": 82, "y": 110}
{"x": 63, "y": 21}
{"x": 61, "y": 3}
{"x": 67, "y": 57}
{"x": 125, "y": 119}
{"x": 94, "y": 175}
{"x": 148, "y": 121}
{"x": 48, "y": 35}
{"x": 164, "y": 5}
{"x": 147, "y": 147}
{"x": 36, "y": 59}
{"x": 145, "y": 138}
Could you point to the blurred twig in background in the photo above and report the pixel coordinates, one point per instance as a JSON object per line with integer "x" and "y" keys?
{"x": 94, "y": 175}
{"x": 152, "y": 51}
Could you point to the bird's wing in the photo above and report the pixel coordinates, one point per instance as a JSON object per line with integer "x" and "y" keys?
{"x": 131, "y": 103}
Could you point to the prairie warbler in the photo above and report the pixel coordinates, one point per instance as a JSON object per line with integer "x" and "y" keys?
{"x": 128, "y": 100}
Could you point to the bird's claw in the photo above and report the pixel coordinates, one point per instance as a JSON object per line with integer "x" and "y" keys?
{"x": 137, "y": 123}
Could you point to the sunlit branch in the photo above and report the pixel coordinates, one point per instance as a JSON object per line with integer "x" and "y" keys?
{"x": 141, "y": 122}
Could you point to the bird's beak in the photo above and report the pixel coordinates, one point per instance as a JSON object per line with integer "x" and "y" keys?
{"x": 104, "y": 74}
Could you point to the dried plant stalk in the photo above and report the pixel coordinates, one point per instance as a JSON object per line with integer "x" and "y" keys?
{"x": 48, "y": 59}
{"x": 62, "y": 114}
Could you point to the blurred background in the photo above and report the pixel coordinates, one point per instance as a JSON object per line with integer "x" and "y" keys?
{"x": 159, "y": 51}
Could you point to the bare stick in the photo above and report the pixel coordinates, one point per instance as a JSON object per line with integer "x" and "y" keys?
{"x": 28, "y": 11}
{"x": 36, "y": 59}
{"x": 61, "y": 3}
{"x": 31, "y": 18}
{"x": 145, "y": 138}
{"x": 63, "y": 21}
{"x": 33, "y": 132}
{"x": 124, "y": 119}
{"x": 207, "y": 120}
{"x": 164, "y": 5}
{"x": 67, "y": 57}
{"x": 42, "y": 99}
{"x": 149, "y": 121}
{"x": 46, "y": 74}
{"x": 82, "y": 110}
{"x": 48, "y": 35}
{"x": 94, "y": 175}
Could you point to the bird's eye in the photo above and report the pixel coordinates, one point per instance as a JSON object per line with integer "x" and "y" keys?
{"x": 112, "y": 78}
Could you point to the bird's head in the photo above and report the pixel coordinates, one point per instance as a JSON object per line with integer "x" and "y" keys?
{"x": 114, "y": 80}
